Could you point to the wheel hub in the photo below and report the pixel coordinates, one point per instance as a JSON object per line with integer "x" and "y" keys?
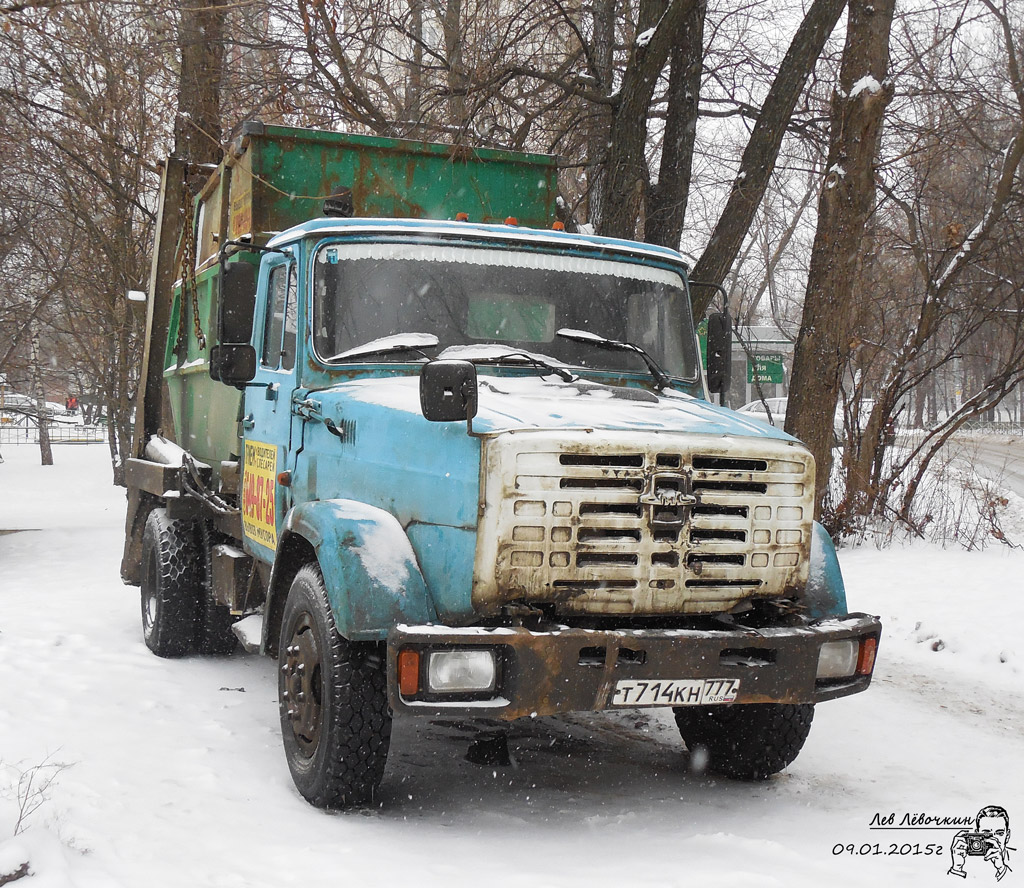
{"x": 149, "y": 598}
{"x": 302, "y": 686}
{"x": 149, "y": 614}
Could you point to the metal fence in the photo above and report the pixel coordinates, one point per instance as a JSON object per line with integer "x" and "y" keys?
{"x": 60, "y": 433}
{"x": 994, "y": 428}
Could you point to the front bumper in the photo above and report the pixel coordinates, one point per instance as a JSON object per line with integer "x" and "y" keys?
{"x": 576, "y": 670}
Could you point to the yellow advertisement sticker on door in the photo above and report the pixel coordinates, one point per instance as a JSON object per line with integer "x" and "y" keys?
{"x": 259, "y": 486}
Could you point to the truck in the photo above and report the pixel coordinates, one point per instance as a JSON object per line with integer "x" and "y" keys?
{"x": 440, "y": 457}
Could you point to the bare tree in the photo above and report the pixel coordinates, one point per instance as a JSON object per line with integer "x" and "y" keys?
{"x": 940, "y": 301}
{"x": 847, "y": 199}
{"x": 87, "y": 119}
{"x": 762, "y": 149}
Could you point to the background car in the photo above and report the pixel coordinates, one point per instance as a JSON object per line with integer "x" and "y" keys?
{"x": 773, "y": 411}
{"x": 774, "y": 414}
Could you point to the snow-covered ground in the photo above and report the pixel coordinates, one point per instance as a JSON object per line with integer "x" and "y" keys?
{"x": 170, "y": 773}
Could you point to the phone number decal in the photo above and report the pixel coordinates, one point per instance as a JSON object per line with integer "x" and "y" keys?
{"x": 259, "y": 484}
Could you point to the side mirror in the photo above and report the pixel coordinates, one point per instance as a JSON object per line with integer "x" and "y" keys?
{"x": 448, "y": 391}
{"x": 719, "y": 352}
{"x": 233, "y": 363}
{"x": 237, "y": 302}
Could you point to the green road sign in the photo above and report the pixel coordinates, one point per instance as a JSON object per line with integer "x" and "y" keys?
{"x": 764, "y": 367}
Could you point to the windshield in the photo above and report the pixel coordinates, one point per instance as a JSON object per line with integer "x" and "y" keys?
{"x": 481, "y": 298}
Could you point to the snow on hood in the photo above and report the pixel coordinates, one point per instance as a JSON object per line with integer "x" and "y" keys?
{"x": 508, "y": 403}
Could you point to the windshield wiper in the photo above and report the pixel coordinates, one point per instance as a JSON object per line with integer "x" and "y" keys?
{"x": 516, "y": 358}
{"x": 386, "y": 345}
{"x": 660, "y": 376}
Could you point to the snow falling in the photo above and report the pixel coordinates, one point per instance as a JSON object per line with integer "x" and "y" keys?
{"x": 171, "y": 772}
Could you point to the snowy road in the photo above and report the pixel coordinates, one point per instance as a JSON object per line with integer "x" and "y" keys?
{"x": 1000, "y": 458}
{"x": 175, "y": 775}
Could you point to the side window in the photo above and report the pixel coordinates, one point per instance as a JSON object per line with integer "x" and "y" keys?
{"x": 274, "y": 322}
{"x": 290, "y": 323}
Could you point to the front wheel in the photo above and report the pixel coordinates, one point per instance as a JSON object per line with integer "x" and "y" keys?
{"x": 332, "y": 694}
{"x": 748, "y": 741}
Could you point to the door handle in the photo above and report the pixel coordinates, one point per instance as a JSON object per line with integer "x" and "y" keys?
{"x": 310, "y": 409}
{"x": 248, "y": 422}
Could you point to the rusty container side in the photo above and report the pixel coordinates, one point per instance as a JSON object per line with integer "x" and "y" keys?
{"x": 282, "y": 176}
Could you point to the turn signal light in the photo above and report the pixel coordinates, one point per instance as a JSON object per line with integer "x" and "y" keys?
{"x": 462, "y": 217}
{"x": 408, "y": 672}
{"x": 511, "y": 220}
{"x": 866, "y": 658}
{"x": 558, "y": 225}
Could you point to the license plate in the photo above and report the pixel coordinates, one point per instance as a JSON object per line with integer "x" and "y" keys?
{"x": 675, "y": 692}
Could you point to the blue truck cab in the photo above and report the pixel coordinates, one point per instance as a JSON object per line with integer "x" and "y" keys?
{"x": 473, "y": 470}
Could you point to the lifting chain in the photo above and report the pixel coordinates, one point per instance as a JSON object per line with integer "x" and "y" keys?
{"x": 188, "y": 277}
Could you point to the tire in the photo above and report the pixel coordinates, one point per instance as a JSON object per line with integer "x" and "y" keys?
{"x": 213, "y": 628}
{"x": 170, "y": 586}
{"x": 749, "y": 741}
{"x": 332, "y": 694}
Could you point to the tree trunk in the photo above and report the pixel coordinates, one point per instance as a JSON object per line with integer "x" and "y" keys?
{"x": 600, "y": 116}
{"x": 451, "y": 23}
{"x": 666, "y": 201}
{"x": 197, "y": 128}
{"x": 846, "y": 201}
{"x": 758, "y": 161}
{"x": 119, "y": 411}
{"x": 412, "y": 126}
{"x": 626, "y": 174}
{"x": 43, "y": 421}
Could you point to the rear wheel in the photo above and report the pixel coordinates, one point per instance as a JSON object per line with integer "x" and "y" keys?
{"x": 335, "y": 721}
{"x": 749, "y": 741}
{"x": 170, "y": 586}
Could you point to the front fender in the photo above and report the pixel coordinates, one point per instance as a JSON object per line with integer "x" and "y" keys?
{"x": 825, "y": 595}
{"x": 369, "y": 567}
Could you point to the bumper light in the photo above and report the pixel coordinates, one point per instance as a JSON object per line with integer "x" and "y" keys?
{"x": 866, "y": 660}
{"x": 838, "y": 659}
{"x": 455, "y": 671}
{"x": 409, "y": 672}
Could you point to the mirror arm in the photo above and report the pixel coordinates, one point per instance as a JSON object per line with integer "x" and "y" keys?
{"x": 718, "y": 287}
{"x": 243, "y": 247}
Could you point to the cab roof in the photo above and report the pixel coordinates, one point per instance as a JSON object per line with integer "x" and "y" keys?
{"x": 500, "y": 235}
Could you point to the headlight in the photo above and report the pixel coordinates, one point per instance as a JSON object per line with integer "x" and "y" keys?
{"x": 838, "y": 659}
{"x": 454, "y": 671}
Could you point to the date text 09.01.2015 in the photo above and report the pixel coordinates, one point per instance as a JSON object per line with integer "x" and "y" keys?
{"x": 891, "y": 849}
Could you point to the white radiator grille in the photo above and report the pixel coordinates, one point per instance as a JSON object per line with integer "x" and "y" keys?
{"x": 609, "y": 523}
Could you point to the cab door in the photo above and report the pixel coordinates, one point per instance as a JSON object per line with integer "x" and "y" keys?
{"x": 267, "y": 417}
